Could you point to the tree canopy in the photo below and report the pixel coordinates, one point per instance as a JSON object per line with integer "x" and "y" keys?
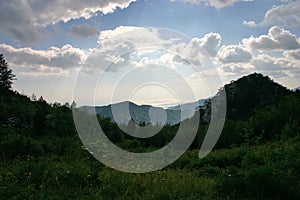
{"x": 6, "y": 74}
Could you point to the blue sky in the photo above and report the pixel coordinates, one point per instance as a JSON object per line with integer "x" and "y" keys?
{"x": 54, "y": 45}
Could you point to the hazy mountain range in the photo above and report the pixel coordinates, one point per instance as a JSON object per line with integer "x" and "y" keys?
{"x": 243, "y": 97}
{"x": 145, "y": 113}
{"x": 298, "y": 88}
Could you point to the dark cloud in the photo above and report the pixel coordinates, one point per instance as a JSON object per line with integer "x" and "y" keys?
{"x": 26, "y": 20}
{"x": 84, "y": 30}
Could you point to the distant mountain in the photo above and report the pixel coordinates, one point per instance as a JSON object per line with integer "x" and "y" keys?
{"x": 189, "y": 106}
{"x": 243, "y": 97}
{"x": 140, "y": 113}
{"x": 298, "y": 88}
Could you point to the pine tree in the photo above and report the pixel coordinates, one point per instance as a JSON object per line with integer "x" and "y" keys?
{"x": 6, "y": 75}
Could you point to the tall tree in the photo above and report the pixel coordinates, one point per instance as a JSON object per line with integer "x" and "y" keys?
{"x": 6, "y": 74}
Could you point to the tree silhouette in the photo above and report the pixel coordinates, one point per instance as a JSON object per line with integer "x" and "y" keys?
{"x": 6, "y": 75}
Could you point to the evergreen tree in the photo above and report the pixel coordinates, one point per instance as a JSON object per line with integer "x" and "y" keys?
{"x": 6, "y": 75}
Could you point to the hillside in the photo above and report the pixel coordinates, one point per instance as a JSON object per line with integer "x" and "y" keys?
{"x": 252, "y": 92}
{"x": 246, "y": 95}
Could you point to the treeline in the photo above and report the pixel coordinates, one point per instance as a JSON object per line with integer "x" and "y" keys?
{"x": 258, "y": 110}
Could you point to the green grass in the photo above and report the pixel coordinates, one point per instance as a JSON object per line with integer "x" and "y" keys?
{"x": 38, "y": 177}
{"x": 267, "y": 171}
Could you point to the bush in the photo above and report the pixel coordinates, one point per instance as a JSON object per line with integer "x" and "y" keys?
{"x": 14, "y": 145}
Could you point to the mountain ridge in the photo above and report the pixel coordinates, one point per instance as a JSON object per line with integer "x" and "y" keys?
{"x": 243, "y": 96}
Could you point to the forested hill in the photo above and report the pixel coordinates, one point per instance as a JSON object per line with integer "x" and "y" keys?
{"x": 252, "y": 92}
{"x": 245, "y": 96}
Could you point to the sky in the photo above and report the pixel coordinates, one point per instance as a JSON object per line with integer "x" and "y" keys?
{"x": 158, "y": 52}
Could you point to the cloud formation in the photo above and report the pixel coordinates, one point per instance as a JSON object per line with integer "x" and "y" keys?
{"x": 53, "y": 11}
{"x": 117, "y": 46}
{"x": 250, "y": 23}
{"x": 84, "y": 30}
{"x": 233, "y": 69}
{"x": 129, "y": 46}
{"x": 17, "y": 21}
{"x": 197, "y": 49}
{"x": 210, "y": 42}
{"x": 221, "y": 3}
{"x": 277, "y": 39}
{"x": 42, "y": 60}
{"x": 276, "y": 54}
{"x": 134, "y": 37}
{"x": 274, "y": 66}
{"x": 215, "y": 3}
{"x": 293, "y": 54}
{"x": 265, "y": 62}
{"x": 122, "y": 47}
{"x": 283, "y": 15}
{"x": 233, "y": 54}
{"x": 26, "y": 20}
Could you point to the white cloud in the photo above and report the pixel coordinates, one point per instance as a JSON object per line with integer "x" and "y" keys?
{"x": 106, "y": 59}
{"x": 116, "y": 50}
{"x": 274, "y": 66}
{"x": 50, "y": 12}
{"x": 233, "y": 54}
{"x": 222, "y": 3}
{"x": 26, "y": 20}
{"x": 125, "y": 46}
{"x": 113, "y": 53}
{"x": 133, "y": 38}
{"x": 133, "y": 47}
{"x": 197, "y": 50}
{"x": 283, "y": 15}
{"x": 238, "y": 61}
{"x": 148, "y": 63}
{"x": 293, "y": 54}
{"x": 215, "y": 3}
{"x": 44, "y": 60}
{"x": 250, "y": 23}
{"x": 128, "y": 39}
{"x": 277, "y": 66}
{"x": 192, "y": 51}
{"x": 116, "y": 47}
{"x": 84, "y": 30}
{"x": 210, "y": 42}
{"x": 277, "y": 39}
{"x": 267, "y": 63}
{"x": 236, "y": 69}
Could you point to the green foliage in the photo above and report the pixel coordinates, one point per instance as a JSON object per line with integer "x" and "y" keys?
{"x": 281, "y": 119}
{"x": 256, "y": 157}
{"x": 6, "y": 75}
{"x": 14, "y": 145}
{"x": 231, "y": 134}
{"x": 266, "y": 172}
